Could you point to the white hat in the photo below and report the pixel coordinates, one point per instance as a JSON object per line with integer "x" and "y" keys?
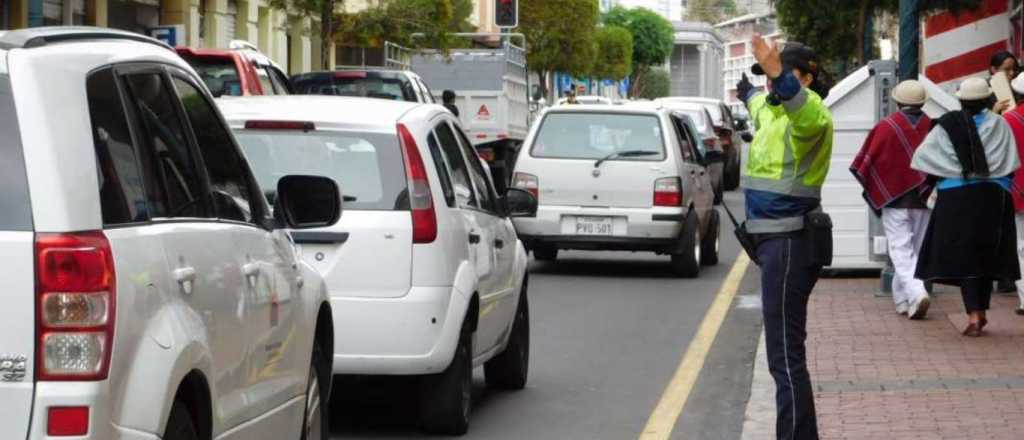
{"x": 910, "y": 92}
{"x": 974, "y": 89}
{"x": 1018, "y": 84}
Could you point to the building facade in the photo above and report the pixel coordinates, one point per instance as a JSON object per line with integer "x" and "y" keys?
{"x": 695, "y": 66}
{"x": 291, "y": 40}
{"x": 738, "y": 54}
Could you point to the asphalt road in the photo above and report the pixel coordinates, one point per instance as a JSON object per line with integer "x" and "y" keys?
{"x": 608, "y": 333}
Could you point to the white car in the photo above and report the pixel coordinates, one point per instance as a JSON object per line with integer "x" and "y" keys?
{"x": 729, "y": 132}
{"x": 628, "y": 178}
{"x": 148, "y": 291}
{"x": 588, "y": 99}
{"x": 426, "y": 274}
{"x": 711, "y": 146}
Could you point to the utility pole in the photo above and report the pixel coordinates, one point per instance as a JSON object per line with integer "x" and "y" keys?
{"x": 910, "y": 39}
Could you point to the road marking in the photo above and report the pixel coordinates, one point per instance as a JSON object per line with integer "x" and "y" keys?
{"x": 663, "y": 418}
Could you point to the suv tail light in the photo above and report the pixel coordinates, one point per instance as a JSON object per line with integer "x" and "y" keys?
{"x": 668, "y": 191}
{"x": 424, "y": 218}
{"x": 76, "y": 293}
{"x": 527, "y": 182}
{"x": 724, "y": 136}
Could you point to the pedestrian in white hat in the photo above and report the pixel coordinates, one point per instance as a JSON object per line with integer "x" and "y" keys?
{"x": 972, "y": 155}
{"x": 898, "y": 193}
{"x": 1015, "y": 119}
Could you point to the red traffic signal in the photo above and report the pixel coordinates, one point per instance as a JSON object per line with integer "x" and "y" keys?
{"x": 506, "y": 13}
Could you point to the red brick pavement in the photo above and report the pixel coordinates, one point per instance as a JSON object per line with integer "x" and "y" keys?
{"x": 882, "y": 376}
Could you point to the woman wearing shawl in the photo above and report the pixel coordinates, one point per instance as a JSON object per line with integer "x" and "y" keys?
{"x": 1015, "y": 119}
{"x": 971, "y": 238}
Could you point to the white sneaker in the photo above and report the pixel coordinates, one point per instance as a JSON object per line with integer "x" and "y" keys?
{"x": 901, "y": 308}
{"x": 919, "y": 307}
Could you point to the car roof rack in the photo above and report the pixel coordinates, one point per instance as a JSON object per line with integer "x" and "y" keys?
{"x": 44, "y": 36}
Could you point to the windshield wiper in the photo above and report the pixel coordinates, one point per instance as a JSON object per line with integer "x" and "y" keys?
{"x": 627, "y": 153}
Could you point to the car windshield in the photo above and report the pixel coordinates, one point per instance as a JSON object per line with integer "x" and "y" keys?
{"x": 599, "y": 135}
{"x": 219, "y": 74}
{"x": 367, "y": 166}
{"x": 367, "y": 87}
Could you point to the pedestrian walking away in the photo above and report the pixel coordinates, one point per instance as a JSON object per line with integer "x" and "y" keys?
{"x": 898, "y": 193}
{"x": 448, "y": 100}
{"x": 785, "y": 170}
{"x": 1015, "y": 119}
{"x": 971, "y": 237}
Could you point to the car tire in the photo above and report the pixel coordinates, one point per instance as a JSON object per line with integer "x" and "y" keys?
{"x": 446, "y": 398}
{"x": 732, "y": 172}
{"x": 180, "y": 425}
{"x": 545, "y": 253}
{"x": 719, "y": 192}
{"x": 510, "y": 369}
{"x": 314, "y": 420}
{"x": 709, "y": 243}
{"x": 687, "y": 263}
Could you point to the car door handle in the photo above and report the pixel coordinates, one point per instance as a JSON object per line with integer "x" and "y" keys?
{"x": 498, "y": 243}
{"x": 185, "y": 276}
{"x": 474, "y": 238}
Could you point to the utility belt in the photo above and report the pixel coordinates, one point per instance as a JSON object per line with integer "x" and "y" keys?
{"x": 816, "y": 236}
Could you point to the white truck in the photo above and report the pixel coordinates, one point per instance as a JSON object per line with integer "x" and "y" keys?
{"x": 492, "y": 93}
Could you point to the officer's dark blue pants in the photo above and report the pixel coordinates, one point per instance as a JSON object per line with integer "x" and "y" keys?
{"x": 787, "y": 279}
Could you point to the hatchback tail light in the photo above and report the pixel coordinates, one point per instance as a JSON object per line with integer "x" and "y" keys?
{"x": 424, "y": 218}
{"x": 710, "y": 142}
{"x": 76, "y": 293}
{"x": 527, "y": 182}
{"x": 668, "y": 191}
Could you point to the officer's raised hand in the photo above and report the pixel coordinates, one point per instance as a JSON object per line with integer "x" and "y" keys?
{"x": 767, "y": 56}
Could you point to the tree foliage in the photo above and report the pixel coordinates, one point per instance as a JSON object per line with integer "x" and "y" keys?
{"x": 398, "y": 20}
{"x": 711, "y": 11}
{"x": 653, "y": 39}
{"x": 560, "y": 34}
{"x": 614, "y": 53}
{"x": 652, "y": 84}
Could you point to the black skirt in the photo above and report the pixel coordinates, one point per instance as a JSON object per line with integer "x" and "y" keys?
{"x": 971, "y": 234}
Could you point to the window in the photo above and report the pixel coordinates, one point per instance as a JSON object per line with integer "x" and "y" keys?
{"x": 265, "y": 81}
{"x": 480, "y": 177}
{"x": 219, "y": 73}
{"x": 15, "y": 209}
{"x": 281, "y": 84}
{"x": 175, "y": 189}
{"x": 593, "y": 136}
{"x": 459, "y": 173}
{"x": 367, "y": 166}
{"x": 122, "y": 193}
{"x": 442, "y": 169}
{"x": 230, "y": 184}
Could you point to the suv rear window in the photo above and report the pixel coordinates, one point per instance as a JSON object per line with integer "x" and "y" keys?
{"x": 15, "y": 210}
{"x": 599, "y": 135}
{"x": 367, "y": 166}
{"x": 219, "y": 73}
{"x": 360, "y": 84}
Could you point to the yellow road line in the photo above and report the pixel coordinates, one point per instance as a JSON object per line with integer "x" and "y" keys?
{"x": 663, "y": 419}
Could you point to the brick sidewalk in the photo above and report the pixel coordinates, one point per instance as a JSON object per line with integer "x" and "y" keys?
{"x": 878, "y": 375}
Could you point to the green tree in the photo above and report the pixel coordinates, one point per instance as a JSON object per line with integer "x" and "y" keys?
{"x": 560, "y": 35}
{"x": 654, "y": 84}
{"x": 653, "y": 40}
{"x": 711, "y": 11}
{"x": 614, "y": 52}
{"x": 412, "y": 23}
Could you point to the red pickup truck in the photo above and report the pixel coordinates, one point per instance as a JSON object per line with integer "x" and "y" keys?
{"x": 240, "y": 70}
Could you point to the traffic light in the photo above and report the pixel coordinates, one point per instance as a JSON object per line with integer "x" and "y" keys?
{"x": 506, "y": 13}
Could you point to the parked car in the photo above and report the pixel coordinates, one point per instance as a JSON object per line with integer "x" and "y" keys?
{"x": 588, "y": 99}
{"x": 240, "y": 70}
{"x": 729, "y": 133}
{"x": 426, "y": 274}
{"x": 149, "y": 292}
{"x": 394, "y": 85}
{"x": 618, "y": 178}
{"x": 710, "y": 146}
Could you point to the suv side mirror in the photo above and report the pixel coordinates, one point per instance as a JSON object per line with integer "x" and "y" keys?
{"x": 305, "y": 202}
{"x": 740, "y": 124}
{"x": 520, "y": 203}
{"x": 747, "y": 137}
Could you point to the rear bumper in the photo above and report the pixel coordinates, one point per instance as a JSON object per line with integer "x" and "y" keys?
{"x": 94, "y": 395}
{"x": 411, "y": 335}
{"x": 646, "y": 229}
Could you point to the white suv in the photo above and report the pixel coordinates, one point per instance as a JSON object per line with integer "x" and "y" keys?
{"x": 425, "y": 271}
{"x": 148, "y": 290}
{"x": 618, "y": 178}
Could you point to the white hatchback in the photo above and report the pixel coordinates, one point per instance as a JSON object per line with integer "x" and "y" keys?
{"x": 618, "y": 178}
{"x": 148, "y": 291}
{"x": 426, "y": 274}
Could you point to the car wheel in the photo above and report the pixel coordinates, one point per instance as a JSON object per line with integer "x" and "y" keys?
{"x": 179, "y": 423}
{"x": 709, "y": 243}
{"x": 510, "y": 369}
{"x": 687, "y": 263}
{"x": 718, "y": 193}
{"x": 732, "y": 172}
{"x": 545, "y": 253}
{"x": 315, "y": 426}
{"x": 446, "y": 398}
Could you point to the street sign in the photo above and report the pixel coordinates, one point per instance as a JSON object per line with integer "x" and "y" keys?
{"x": 483, "y": 113}
{"x": 506, "y": 13}
{"x": 173, "y": 35}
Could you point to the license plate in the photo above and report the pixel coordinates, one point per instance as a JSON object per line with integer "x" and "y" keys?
{"x": 594, "y": 226}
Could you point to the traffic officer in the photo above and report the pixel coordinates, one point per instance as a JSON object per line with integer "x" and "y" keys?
{"x": 786, "y": 168}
